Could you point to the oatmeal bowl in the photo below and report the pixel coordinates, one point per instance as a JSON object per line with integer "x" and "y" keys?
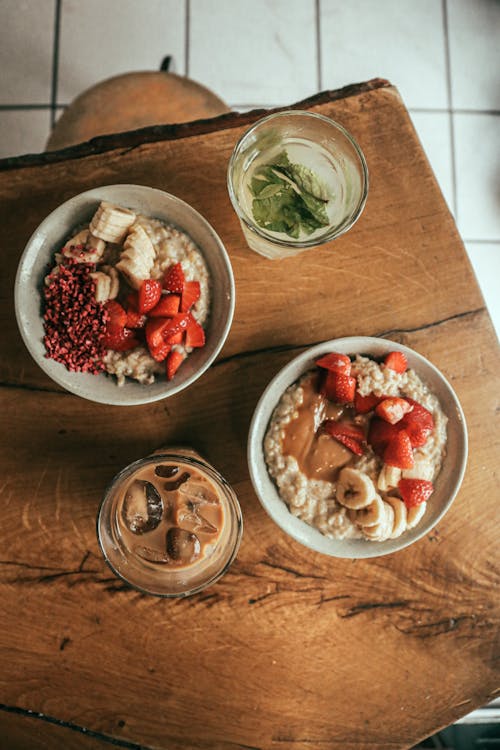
{"x": 124, "y": 295}
{"x": 357, "y": 447}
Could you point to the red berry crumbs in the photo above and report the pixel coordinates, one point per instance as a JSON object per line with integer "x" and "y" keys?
{"x": 74, "y": 322}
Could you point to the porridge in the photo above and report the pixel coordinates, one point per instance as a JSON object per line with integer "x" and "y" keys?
{"x": 355, "y": 446}
{"x": 128, "y": 295}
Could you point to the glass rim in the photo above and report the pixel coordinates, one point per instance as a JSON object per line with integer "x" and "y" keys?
{"x": 330, "y": 234}
{"x": 230, "y": 495}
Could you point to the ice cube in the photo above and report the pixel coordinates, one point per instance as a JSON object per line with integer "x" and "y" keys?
{"x": 176, "y": 483}
{"x": 166, "y": 471}
{"x": 152, "y": 555}
{"x": 182, "y": 545}
{"x": 190, "y": 517}
{"x": 200, "y": 494}
{"x": 142, "y": 507}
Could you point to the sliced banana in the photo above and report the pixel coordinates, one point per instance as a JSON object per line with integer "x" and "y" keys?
{"x": 422, "y": 469}
{"x": 414, "y": 515}
{"x": 83, "y": 249}
{"x": 111, "y": 223}
{"x": 400, "y": 514}
{"x": 114, "y": 280}
{"x": 382, "y": 530}
{"x": 388, "y": 478}
{"x": 372, "y": 515}
{"x": 138, "y": 256}
{"x": 102, "y": 286}
{"x": 355, "y": 489}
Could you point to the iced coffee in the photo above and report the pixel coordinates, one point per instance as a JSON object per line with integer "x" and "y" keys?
{"x": 170, "y": 524}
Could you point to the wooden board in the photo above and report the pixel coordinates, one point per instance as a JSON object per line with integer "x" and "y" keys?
{"x": 290, "y": 649}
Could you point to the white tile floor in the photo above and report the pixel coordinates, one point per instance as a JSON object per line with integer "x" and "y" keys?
{"x": 443, "y": 55}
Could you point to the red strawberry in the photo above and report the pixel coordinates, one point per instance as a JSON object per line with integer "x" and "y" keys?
{"x": 159, "y": 353}
{"x": 339, "y": 388}
{"x": 149, "y": 294}
{"x": 177, "y": 324}
{"x": 135, "y": 319}
{"x": 190, "y": 295}
{"x": 393, "y": 409}
{"x": 174, "y": 279}
{"x": 348, "y": 434}
{"x": 117, "y": 317}
{"x": 174, "y": 338}
{"x": 364, "y": 404}
{"x": 167, "y": 307}
{"x": 396, "y": 361}
{"x": 195, "y": 335}
{"x": 380, "y": 434}
{"x": 415, "y": 491}
{"x": 174, "y": 361}
{"x": 120, "y": 339}
{"x": 154, "y": 332}
{"x": 418, "y": 423}
{"x": 399, "y": 452}
{"x": 335, "y": 362}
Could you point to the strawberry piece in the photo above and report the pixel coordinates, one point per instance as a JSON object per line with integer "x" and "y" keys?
{"x": 174, "y": 280}
{"x": 335, "y": 362}
{"x": 149, "y": 294}
{"x": 154, "y": 332}
{"x": 132, "y": 301}
{"x": 177, "y": 324}
{"x": 348, "y": 434}
{"x": 195, "y": 335}
{"x": 418, "y": 423}
{"x": 380, "y": 434}
{"x": 399, "y": 452}
{"x": 167, "y": 307}
{"x": 174, "y": 338}
{"x": 135, "y": 319}
{"x": 120, "y": 339}
{"x": 174, "y": 361}
{"x": 396, "y": 361}
{"x": 160, "y": 352}
{"x": 117, "y": 317}
{"x": 339, "y": 388}
{"x": 415, "y": 491}
{"x": 190, "y": 295}
{"x": 364, "y": 404}
{"x": 393, "y": 409}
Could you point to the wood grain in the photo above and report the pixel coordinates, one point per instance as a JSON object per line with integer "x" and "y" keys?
{"x": 291, "y": 649}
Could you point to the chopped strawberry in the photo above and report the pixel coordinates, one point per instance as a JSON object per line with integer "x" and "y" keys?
{"x": 335, "y": 362}
{"x": 339, "y": 388}
{"x": 380, "y": 434}
{"x": 415, "y": 491}
{"x": 364, "y": 404}
{"x": 174, "y": 279}
{"x": 418, "y": 423}
{"x": 167, "y": 307}
{"x": 348, "y": 434}
{"x": 149, "y": 294}
{"x": 399, "y": 452}
{"x": 117, "y": 317}
{"x": 174, "y": 338}
{"x": 174, "y": 361}
{"x": 396, "y": 361}
{"x": 190, "y": 295}
{"x": 177, "y": 324}
{"x": 154, "y": 332}
{"x": 135, "y": 319}
{"x": 159, "y": 353}
{"x": 195, "y": 335}
{"x": 393, "y": 409}
{"x": 120, "y": 339}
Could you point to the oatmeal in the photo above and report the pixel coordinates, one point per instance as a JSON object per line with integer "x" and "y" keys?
{"x": 355, "y": 446}
{"x": 142, "y": 302}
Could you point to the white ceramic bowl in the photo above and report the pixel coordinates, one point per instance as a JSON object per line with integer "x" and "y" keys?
{"x": 446, "y": 485}
{"x": 55, "y": 229}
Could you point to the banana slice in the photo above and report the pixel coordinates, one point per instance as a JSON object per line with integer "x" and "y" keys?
{"x": 400, "y": 514}
{"x": 102, "y": 286}
{"x": 414, "y": 515}
{"x": 114, "y": 280}
{"x": 138, "y": 256}
{"x": 111, "y": 223}
{"x": 388, "y": 478}
{"x": 372, "y": 515}
{"x": 382, "y": 530}
{"x": 422, "y": 469}
{"x": 355, "y": 489}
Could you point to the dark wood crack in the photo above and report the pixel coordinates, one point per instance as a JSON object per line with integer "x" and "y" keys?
{"x": 366, "y": 606}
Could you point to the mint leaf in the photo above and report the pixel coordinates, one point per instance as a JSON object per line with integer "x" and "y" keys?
{"x": 309, "y": 182}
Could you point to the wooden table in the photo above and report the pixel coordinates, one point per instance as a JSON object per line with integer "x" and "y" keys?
{"x": 291, "y": 650}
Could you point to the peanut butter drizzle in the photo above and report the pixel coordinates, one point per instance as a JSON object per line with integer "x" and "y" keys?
{"x": 318, "y": 455}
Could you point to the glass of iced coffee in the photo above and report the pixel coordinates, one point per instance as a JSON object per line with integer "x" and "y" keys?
{"x": 169, "y": 524}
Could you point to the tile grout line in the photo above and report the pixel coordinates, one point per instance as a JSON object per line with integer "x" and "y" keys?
{"x": 318, "y": 45}
{"x": 55, "y": 62}
{"x": 450, "y": 106}
{"x": 186, "y": 37}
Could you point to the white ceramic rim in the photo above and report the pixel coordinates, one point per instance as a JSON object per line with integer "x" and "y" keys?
{"x": 266, "y": 490}
{"x": 43, "y": 363}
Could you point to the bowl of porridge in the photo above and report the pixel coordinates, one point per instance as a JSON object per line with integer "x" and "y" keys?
{"x": 124, "y": 295}
{"x": 357, "y": 447}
